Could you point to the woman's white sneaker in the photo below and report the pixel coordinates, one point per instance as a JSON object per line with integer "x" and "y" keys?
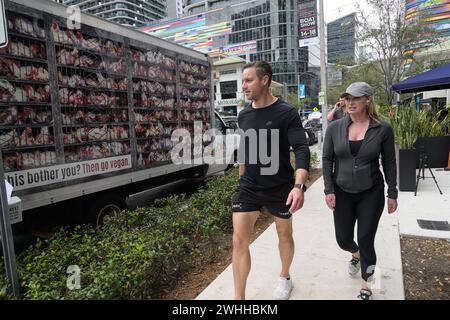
{"x": 284, "y": 288}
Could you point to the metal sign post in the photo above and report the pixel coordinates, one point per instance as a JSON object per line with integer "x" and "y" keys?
{"x": 323, "y": 68}
{"x": 7, "y": 238}
{"x": 5, "y": 224}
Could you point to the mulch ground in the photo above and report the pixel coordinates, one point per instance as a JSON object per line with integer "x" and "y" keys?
{"x": 426, "y": 268}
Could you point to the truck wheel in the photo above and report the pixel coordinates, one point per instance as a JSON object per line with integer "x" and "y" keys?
{"x": 21, "y": 242}
{"x": 103, "y": 207}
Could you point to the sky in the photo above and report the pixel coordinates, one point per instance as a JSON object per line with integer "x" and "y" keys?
{"x": 334, "y": 9}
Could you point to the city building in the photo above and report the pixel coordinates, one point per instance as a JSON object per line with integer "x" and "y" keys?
{"x": 133, "y": 13}
{"x": 174, "y": 9}
{"x": 229, "y": 98}
{"x": 436, "y": 13}
{"x": 227, "y": 80}
{"x": 199, "y": 6}
{"x": 341, "y": 40}
{"x": 252, "y": 30}
{"x": 434, "y": 56}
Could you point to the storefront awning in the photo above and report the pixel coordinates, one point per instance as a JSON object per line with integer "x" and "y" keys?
{"x": 435, "y": 79}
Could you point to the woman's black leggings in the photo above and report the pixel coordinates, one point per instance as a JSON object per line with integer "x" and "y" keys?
{"x": 366, "y": 207}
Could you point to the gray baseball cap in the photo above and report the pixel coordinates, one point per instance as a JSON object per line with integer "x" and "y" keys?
{"x": 359, "y": 89}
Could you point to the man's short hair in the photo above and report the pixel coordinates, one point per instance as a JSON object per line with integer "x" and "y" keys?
{"x": 262, "y": 69}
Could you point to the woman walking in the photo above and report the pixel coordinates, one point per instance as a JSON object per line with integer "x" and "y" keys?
{"x": 354, "y": 185}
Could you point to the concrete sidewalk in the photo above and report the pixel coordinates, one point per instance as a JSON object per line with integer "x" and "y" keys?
{"x": 428, "y": 205}
{"x": 319, "y": 269}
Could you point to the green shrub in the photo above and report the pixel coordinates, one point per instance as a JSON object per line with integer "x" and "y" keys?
{"x": 431, "y": 124}
{"x": 405, "y": 126}
{"x": 408, "y": 124}
{"x": 314, "y": 160}
{"x": 135, "y": 253}
{"x": 383, "y": 110}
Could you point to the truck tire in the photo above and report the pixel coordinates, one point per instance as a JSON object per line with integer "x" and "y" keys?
{"x": 21, "y": 242}
{"x": 103, "y": 206}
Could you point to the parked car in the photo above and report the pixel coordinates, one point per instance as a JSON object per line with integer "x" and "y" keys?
{"x": 310, "y": 136}
{"x": 316, "y": 124}
{"x": 223, "y": 123}
{"x": 312, "y": 127}
{"x": 231, "y": 122}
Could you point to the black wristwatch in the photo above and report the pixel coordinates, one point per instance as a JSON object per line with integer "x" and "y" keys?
{"x": 301, "y": 186}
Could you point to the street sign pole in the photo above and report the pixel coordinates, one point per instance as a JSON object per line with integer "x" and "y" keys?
{"x": 323, "y": 67}
{"x": 7, "y": 239}
{"x": 5, "y": 224}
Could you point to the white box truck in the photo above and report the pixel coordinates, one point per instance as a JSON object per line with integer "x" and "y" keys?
{"x": 87, "y": 108}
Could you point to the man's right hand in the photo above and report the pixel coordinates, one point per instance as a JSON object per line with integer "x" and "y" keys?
{"x": 241, "y": 169}
{"x": 330, "y": 199}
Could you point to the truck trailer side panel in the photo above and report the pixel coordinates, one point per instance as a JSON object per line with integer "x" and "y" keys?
{"x": 93, "y": 108}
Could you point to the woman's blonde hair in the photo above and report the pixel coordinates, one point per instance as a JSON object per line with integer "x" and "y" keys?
{"x": 372, "y": 111}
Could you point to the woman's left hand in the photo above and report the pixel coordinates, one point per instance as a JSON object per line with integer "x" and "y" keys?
{"x": 392, "y": 205}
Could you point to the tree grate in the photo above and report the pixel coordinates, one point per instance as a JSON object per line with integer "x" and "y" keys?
{"x": 434, "y": 225}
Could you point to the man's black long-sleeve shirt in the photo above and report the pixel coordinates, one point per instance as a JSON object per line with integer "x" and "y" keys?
{"x": 260, "y": 127}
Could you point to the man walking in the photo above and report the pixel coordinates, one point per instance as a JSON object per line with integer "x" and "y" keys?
{"x": 268, "y": 123}
{"x": 338, "y": 111}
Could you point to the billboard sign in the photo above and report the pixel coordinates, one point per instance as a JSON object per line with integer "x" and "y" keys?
{"x": 192, "y": 32}
{"x": 31, "y": 178}
{"x": 301, "y": 91}
{"x": 235, "y": 49}
{"x": 307, "y": 26}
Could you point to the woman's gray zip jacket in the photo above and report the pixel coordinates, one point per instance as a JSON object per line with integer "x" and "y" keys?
{"x": 360, "y": 173}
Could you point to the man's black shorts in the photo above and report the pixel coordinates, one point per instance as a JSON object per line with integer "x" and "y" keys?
{"x": 274, "y": 200}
